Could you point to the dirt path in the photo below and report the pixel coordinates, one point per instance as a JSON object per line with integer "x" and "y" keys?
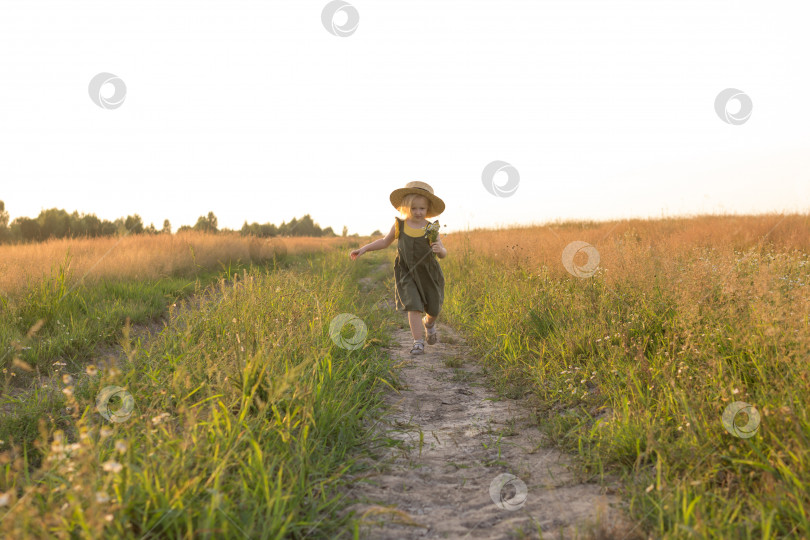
{"x": 455, "y": 440}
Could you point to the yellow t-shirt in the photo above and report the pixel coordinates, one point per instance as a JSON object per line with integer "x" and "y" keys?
{"x": 410, "y": 231}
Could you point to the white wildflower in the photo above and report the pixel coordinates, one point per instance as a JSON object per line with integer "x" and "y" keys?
{"x": 112, "y": 466}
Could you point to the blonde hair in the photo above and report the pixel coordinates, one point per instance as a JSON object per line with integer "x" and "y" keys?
{"x": 407, "y": 200}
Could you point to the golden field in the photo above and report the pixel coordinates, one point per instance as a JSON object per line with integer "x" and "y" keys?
{"x": 632, "y": 368}
{"x": 144, "y": 257}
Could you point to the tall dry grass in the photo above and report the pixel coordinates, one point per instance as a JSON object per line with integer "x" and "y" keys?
{"x": 142, "y": 257}
{"x": 666, "y": 240}
{"x": 635, "y": 366}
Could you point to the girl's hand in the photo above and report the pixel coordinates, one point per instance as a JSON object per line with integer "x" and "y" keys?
{"x": 437, "y": 247}
{"x": 356, "y": 253}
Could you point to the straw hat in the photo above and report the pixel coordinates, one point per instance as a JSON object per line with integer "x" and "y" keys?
{"x": 420, "y": 188}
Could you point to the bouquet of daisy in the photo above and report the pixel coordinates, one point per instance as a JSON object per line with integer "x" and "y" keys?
{"x": 432, "y": 231}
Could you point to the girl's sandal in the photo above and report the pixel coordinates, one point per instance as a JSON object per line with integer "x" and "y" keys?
{"x": 418, "y": 348}
{"x": 431, "y": 331}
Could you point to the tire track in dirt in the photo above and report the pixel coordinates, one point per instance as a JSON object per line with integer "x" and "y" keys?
{"x": 454, "y": 439}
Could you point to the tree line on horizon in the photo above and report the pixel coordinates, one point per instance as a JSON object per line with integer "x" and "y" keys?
{"x": 58, "y": 223}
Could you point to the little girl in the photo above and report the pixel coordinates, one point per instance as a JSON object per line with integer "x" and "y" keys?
{"x": 418, "y": 278}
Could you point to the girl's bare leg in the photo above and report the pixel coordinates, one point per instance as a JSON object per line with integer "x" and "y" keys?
{"x": 415, "y": 320}
{"x": 431, "y": 320}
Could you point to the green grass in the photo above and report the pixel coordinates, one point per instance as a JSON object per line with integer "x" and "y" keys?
{"x": 634, "y": 375}
{"x": 245, "y": 413}
{"x": 62, "y": 320}
{"x": 56, "y": 328}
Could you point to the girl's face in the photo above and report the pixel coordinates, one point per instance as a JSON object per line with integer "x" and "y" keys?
{"x": 419, "y": 208}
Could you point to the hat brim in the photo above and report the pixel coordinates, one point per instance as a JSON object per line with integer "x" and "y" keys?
{"x": 436, "y": 203}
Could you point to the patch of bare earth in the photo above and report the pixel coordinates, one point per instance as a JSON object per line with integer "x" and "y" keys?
{"x": 453, "y": 437}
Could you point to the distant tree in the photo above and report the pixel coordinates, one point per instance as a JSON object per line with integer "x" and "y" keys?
{"x": 296, "y": 227}
{"x": 4, "y": 232}
{"x": 3, "y": 215}
{"x": 376, "y": 233}
{"x": 305, "y": 227}
{"x": 345, "y": 231}
{"x": 13, "y": 233}
{"x": 57, "y": 223}
{"x": 30, "y": 229}
{"x": 134, "y": 224}
{"x": 84, "y": 225}
{"x": 285, "y": 229}
{"x": 54, "y": 223}
{"x": 109, "y": 228}
{"x": 207, "y": 223}
{"x": 90, "y": 225}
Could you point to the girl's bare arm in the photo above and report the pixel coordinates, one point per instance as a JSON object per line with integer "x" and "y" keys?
{"x": 381, "y": 243}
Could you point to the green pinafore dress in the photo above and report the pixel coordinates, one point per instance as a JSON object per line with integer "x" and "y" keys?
{"x": 418, "y": 277}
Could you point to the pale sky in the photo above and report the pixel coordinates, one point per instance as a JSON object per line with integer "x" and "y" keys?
{"x": 253, "y": 110}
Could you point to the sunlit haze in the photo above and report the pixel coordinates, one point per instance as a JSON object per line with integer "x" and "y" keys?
{"x": 253, "y": 110}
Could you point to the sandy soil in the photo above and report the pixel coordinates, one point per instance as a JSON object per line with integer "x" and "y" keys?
{"x": 455, "y": 439}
